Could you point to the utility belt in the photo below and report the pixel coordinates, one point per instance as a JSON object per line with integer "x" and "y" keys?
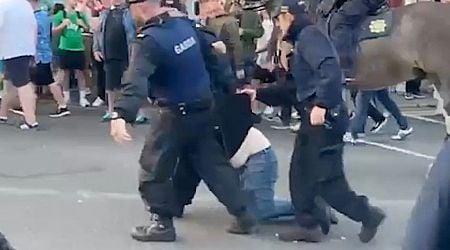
{"x": 186, "y": 108}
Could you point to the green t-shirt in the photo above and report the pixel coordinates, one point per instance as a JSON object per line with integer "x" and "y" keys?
{"x": 71, "y": 37}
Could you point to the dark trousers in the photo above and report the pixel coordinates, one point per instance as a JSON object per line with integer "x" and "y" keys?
{"x": 101, "y": 84}
{"x": 317, "y": 170}
{"x": 372, "y": 111}
{"x": 413, "y": 86}
{"x": 190, "y": 137}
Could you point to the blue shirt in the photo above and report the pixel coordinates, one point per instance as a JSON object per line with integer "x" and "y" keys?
{"x": 44, "y": 40}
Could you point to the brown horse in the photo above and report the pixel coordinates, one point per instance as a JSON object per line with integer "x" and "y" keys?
{"x": 420, "y": 38}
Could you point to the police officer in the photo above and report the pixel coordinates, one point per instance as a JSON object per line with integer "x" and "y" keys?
{"x": 345, "y": 24}
{"x": 169, "y": 55}
{"x": 316, "y": 164}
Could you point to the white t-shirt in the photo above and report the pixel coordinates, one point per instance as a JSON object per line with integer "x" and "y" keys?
{"x": 18, "y": 29}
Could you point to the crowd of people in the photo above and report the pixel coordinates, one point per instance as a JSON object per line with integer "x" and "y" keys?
{"x": 249, "y": 49}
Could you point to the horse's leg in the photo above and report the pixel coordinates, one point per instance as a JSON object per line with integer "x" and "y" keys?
{"x": 442, "y": 94}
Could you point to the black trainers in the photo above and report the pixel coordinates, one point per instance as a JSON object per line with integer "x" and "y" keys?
{"x": 26, "y": 126}
{"x": 60, "y": 112}
{"x": 370, "y": 228}
{"x": 162, "y": 230}
{"x": 379, "y": 125}
{"x": 243, "y": 224}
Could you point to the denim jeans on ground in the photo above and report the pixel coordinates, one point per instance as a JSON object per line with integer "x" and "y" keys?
{"x": 259, "y": 180}
{"x": 362, "y": 102}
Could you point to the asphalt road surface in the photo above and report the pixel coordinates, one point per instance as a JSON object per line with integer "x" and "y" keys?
{"x": 68, "y": 186}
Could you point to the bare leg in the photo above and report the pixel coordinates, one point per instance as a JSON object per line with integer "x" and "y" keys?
{"x": 9, "y": 96}
{"x": 111, "y": 99}
{"x": 58, "y": 94}
{"x": 63, "y": 80}
{"x": 82, "y": 88}
{"x": 27, "y": 98}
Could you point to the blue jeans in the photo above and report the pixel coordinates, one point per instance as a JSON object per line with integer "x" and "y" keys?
{"x": 259, "y": 180}
{"x": 363, "y": 99}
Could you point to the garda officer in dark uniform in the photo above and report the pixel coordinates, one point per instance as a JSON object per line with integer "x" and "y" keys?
{"x": 345, "y": 24}
{"x": 317, "y": 161}
{"x": 169, "y": 54}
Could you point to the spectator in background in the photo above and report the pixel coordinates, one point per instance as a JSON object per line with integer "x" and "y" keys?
{"x": 250, "y": 29}
{"x": 413, "y": 86}
{"x": 225, "y": 27}
{"x": 112, "y": 46}
{"x": 17, "y": 48}
{"x": 42, "y": 73}
{"x": 71, "y": 24}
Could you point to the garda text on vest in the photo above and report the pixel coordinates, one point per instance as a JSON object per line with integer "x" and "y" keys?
{"x": 185, "y": 45}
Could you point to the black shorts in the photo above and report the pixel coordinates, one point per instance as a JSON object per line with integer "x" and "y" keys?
{"x": 72, "y": 60}
{"x": 42, "y": 75}
{"x": 17, "y": 70}
{"x": 114, "y": 70}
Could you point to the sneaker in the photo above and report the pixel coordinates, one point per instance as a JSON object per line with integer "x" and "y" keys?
{"x": 88, "y": 91}
{"x": 295, "y": 115}
{"x": 3, "y": 120}
{"x": 141, "y": 120}
{"x": 26, "y": 126}
{"x": 378, "y": 126}
{"x": 349, "y": 138}
{"x": 402, "y": 134}
{"x": 351, "y": 115}
{"x": 295, "y": 127}
{"x": 281, "y": 127}
{"x": 84, "y": 103}
{"x": 17, "y": 111}
{"x": 106, "y": 117}
{"x": 60, "y": 112}
{"x": 161, "y": 230}
{"x": 418, "y": 95}
{"x": 98, "y": 102}
{"x": 409, "y": 96}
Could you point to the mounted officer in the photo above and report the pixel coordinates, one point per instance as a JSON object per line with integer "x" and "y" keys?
{"x": 344, "y": 25}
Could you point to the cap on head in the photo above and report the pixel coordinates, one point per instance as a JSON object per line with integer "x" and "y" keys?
{"x": 293, "y": 7}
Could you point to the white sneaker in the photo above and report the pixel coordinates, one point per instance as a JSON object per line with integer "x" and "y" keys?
{"x": 295, "y": 115}
{"x": 98, "y": 102}
{"x": 84, "y": 102}
{"x": 295, "y": 127}
{"x": 402, "y": 134}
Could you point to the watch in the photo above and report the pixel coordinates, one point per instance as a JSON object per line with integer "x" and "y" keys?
{"x": 115, "y": 116}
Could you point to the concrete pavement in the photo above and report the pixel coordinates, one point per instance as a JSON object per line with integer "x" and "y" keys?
{"x": 69, "y": 187}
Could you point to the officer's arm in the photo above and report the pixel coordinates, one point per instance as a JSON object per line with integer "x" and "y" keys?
{"x": 135, "y": 84}
{"x": 317, "y": 50}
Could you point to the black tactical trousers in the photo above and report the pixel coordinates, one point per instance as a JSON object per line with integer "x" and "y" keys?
{"x": 179, "y": 136}
{"x": 317, "y": 170}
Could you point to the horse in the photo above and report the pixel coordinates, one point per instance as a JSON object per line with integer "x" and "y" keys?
{"x": 418, "y": 41}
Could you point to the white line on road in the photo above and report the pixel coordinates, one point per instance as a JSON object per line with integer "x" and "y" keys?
{"x": 396, "y": 149}
{"x": 425, "y": 119}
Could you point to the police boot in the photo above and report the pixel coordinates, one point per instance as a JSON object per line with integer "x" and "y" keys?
{"x": 243, "y": 224}
{"x": 323, "y": 214}
{"x": 161, "y": 230}
{"x": 314, "y": 234}
{"x": 370, "y": 227}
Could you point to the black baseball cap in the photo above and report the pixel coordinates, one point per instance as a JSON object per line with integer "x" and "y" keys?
{"x": 293, "y": 7}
